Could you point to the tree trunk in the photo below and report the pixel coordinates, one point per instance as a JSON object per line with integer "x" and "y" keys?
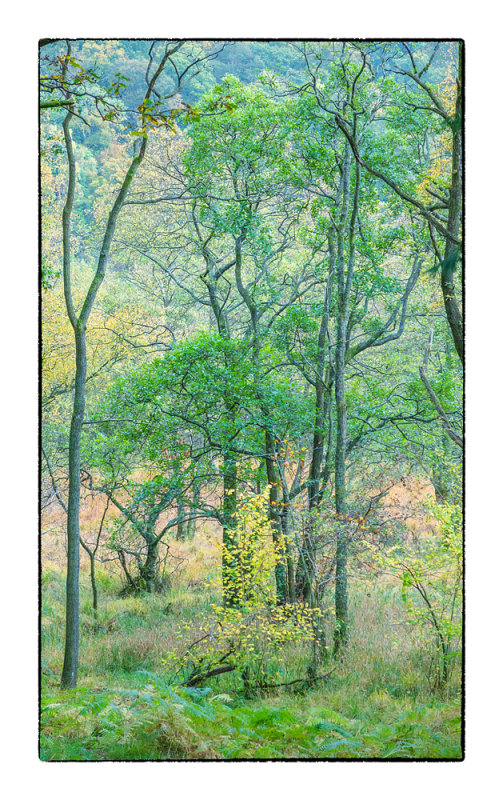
{"x": 341, "y": 586}
{"x": 275, "y": 519}
{"x": 92, "y": 561}
{"x": 71, "y": 658}
{"x": 454, "y": 316}
{"x": 93, "y": 584}
{"x": 181, "y": 528}
{"x": 230, "y": 555}
{"x": 307, "y": 558}
{"x": 148, "y": 571}
{"x": 70, "y": 664}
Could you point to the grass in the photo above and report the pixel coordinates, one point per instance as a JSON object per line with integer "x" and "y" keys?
{"x": 378, "y": 703}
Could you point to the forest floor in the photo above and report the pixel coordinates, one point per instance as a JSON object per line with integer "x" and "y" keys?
{"x": 379, "y": 701}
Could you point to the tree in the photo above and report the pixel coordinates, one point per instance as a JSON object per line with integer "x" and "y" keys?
{"x": 137, "y": 455}
{"x": 151, "y": 114}
{"x": 443, "y": 215}
{"x": 357, "y": 243}
{"x": 240, "y": 224}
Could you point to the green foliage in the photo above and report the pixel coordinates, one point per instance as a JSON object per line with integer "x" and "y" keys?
{"x": 49, "y": 274}
{"x": 430, "y": 575}
{"x": 376, "y": 705}
{"x": 157, "y": 722}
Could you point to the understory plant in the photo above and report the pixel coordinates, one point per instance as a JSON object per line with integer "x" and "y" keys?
{"x": 430, "y": 572}
{"x": 253, "y": 635}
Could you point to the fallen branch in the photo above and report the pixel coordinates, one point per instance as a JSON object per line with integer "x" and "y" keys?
{"x": 297, "y": 680}
{"x": 195, "y": 679}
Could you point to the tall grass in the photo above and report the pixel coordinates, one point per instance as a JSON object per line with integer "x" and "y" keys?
{"x": 377, "y": 703}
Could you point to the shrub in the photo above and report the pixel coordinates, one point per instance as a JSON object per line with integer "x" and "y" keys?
{"x": 252, "y": 636}
{"x": 430, "y": 574}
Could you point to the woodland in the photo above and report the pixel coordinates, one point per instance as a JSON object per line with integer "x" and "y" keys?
{"x": 251, "y": 400}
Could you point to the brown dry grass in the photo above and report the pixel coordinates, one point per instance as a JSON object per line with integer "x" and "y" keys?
{"x": 408, "y": 501}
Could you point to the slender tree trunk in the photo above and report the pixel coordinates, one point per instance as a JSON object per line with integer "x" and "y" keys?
{"x": 71, "y": 658}
{"x": 230, "y": 555}
{"x": 454, "y": 316}
{"x": 93, "y": 584}
{"x": 129, "y": 578}
{"x": 306, "y": 565}
{"x": 341, "y": 586}
{"x": 344, "y": 285}
{"x": 324, "y": 372}
{"x": 286, "y": 520}
{"x": 92, "y": 561}
{"x": 306, "y": 562}
{"x": 181, "y": 528}
{"x": 275, "y": 519}
{"x": 70, "y": 664}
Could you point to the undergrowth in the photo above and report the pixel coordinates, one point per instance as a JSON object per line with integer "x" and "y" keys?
{"x": 155, "y": 721}
{"x": 379, "y": 702}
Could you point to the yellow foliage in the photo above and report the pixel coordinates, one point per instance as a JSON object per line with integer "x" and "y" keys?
{"x": 252, "y": 637}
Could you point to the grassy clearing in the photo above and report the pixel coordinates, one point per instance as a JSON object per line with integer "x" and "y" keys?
{"x": 378, "y": 703}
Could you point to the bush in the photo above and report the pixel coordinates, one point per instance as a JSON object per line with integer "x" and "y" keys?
{"x": 253, "y": 635}
{"x": 430, "y": 575}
